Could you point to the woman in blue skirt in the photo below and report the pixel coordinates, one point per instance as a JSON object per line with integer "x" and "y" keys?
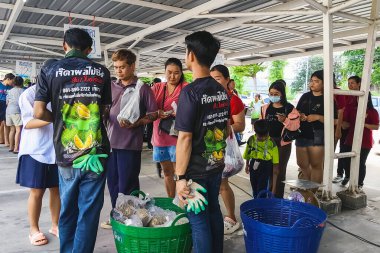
{"x": 37, "y": 169}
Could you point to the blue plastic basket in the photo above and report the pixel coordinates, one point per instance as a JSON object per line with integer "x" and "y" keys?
{"x": 281, "y": 226}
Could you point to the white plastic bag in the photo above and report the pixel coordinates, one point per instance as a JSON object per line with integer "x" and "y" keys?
{"x": 130, "y": 104}
{"x": 233, "y": 160}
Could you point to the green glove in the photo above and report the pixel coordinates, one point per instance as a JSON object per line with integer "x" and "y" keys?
{"x": 198, "y": 202}
{"x": 90, "y": 162}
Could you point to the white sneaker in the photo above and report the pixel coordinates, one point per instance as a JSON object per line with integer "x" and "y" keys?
{"x": 337, "y": 179}
{"x": 230, "y": 225}
{"x": 106, "y": 224}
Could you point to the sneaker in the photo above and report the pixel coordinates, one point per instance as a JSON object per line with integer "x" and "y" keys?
{"x": 106, "y": 224}
{"x": 345, "y": 181}
{"x": 230, "y": 225}
{"x": 337, "y": 179}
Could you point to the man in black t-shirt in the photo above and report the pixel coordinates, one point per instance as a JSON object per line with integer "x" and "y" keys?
{"x": 79, "y": 92}
{"x": 203, "y": 122}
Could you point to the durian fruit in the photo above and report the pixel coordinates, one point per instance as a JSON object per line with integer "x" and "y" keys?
{"x": 80, "y": 145}
{"x": 219, "y": 135}
{"x": 94, "y": 109}
{"x": 82, "y": 111}
{"x": 68, "y": 135}
{"x": 65, "y": 111}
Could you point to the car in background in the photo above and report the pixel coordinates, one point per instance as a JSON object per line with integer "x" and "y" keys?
{"x": 376, "y": 103}
{"x": 246, "y": 99}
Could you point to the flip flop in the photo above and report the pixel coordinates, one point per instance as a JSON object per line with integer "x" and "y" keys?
{"x": 38, "y": 239}
{"x": 54, "y": 231}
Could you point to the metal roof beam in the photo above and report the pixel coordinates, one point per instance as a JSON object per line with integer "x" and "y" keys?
{"x": 12, "y": 20}
{"x": 17, "y": 51}
{"x": 225, "y": 25}
{"x": 284, "y": 24}
{"x": 84, "y": 16}
{"x": 316, "y": 5}
{"x": 210, "y": 5}
{"x": 353, "y": 17}
{"x": 259, "y": 14}
{"x": 343, "y": 6}
{"x": 36, "y": 48}
{"x": 307, "y": 53}
{"x": 152, "y": 5}
{"x": 291, "y": 31}
{"x": 301, "y": 42}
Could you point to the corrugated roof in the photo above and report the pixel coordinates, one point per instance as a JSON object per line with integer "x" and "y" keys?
{"x": 118, "y": 19}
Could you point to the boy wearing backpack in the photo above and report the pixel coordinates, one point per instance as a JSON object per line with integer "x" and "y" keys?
{"x": 261, "y": 155}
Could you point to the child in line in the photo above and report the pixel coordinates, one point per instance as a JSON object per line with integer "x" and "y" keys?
{"x": 37, "y": 169}
{"x": 261, "y": 155}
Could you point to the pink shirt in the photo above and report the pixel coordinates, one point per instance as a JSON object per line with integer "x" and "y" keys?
{"x": 160, "y": 138}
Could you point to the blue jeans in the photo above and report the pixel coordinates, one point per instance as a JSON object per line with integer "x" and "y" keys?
{"x": 207, "y": 227}
{"x": 82, "y": 197}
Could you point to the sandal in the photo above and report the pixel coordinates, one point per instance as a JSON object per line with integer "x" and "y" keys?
{"x": 54, "y": 231}
{"x": 38, "y": 239}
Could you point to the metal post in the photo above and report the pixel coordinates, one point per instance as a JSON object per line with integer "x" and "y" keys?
{"x": 328, "y": 105}
{"x": 137, "y": 64}
{"x": 106, "y": 60}
{"x": 362, "y": 104}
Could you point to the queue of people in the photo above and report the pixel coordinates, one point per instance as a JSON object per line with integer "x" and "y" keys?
{"x": 92, "y": 134}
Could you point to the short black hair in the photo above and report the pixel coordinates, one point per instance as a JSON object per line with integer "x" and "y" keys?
{"x": 278, "y": 85}
{"x": 261, "y": 127}
{"x": 178, "y": 63}
{"x": 222, "y": 69}
{"x": 19, "y": 81}
{"x": 356, "y": 78}
{"x": 9, "y": 76}
{"x": 156, "y": 80}
{"x": 318, "y": 74}
{"x": 77, "y": 38}
{"x": 204, "y": 46}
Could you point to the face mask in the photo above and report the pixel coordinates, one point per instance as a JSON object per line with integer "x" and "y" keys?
{"x": 274, "y": 99}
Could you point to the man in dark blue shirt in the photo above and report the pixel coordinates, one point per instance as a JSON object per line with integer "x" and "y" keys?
{"x": 5, "y": 86}
{"x": 203, "y": 124}
{"x": 79, "y": 91}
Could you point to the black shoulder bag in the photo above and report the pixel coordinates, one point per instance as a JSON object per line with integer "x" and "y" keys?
{"x": 167, "y": 125}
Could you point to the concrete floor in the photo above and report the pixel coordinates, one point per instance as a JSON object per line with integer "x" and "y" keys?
{"x": 13, "y": 214}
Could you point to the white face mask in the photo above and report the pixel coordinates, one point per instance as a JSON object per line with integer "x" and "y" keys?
{"x": 274, "y": 99}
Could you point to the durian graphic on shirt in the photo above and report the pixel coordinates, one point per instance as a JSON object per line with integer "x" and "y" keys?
{"x": 81, "y": 126}
{"x": 215, "y": 144}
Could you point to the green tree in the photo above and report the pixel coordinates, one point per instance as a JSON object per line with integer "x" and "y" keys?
{"x": 147, "y": 80}
{"x": 239, "y": 72}
{"x": 276, "y": 70}
{"x": 188, "y": 76}
{"x": 305, "y": 69}
{"x": 354, "y": 64}
{"x": 309, "y": 66}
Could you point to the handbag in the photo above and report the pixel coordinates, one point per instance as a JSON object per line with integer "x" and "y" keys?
{"x": 167, "y": 125}
{"x": 291, "y": 130}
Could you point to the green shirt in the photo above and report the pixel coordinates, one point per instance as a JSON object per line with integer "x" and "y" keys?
{"x": 264, "y": 150}
{"x": 256, "y": 109}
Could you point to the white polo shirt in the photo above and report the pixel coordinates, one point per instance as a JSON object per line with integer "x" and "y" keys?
{"x": 37, "y": 142}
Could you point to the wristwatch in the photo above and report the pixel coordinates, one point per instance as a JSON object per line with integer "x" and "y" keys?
{"x": 178, "y": 177}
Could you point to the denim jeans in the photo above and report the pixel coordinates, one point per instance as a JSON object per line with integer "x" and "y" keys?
{"x": 207, "y": 227}
{"x": 82, "y": 197}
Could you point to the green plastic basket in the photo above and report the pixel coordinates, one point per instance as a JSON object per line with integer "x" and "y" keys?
{"x": 173, "y": 239}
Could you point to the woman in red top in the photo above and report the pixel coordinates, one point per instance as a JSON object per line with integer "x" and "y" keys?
{"x": 221, "y": 74}
{"x": 164, "y": 145}
{"x": 371, "y": 123}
